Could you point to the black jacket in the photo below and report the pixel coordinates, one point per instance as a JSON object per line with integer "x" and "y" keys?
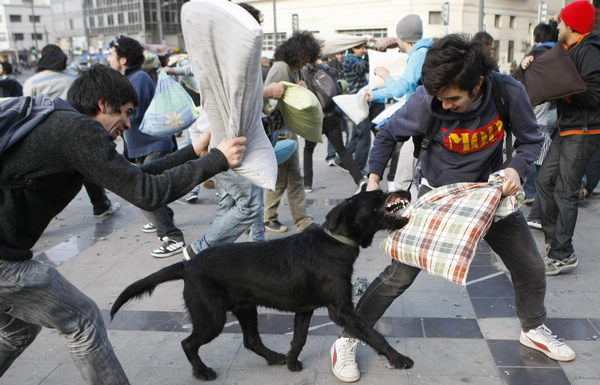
{"x": 67, "y": 148}
{"x": 580, "y": 113}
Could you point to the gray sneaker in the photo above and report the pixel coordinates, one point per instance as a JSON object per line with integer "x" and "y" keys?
{"x": 557, "y": 266}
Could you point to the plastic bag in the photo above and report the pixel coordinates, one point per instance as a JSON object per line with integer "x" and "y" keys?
{"x": 171, "y": 110}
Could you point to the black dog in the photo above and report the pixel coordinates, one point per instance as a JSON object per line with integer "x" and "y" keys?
{"x": 298, "y": 274}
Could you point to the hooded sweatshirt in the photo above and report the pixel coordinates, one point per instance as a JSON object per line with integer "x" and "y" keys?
{"x": 469, "y": 145}
{"x": 409, "y": 81}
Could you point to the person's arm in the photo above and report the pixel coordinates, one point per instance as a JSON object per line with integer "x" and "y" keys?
{"x": 411, "y": 119}
{"x": 407, "y": 82}
{"x": 91, "y": 151}
{"x": 524, "y": 127}
{"x": 589, "y": 70}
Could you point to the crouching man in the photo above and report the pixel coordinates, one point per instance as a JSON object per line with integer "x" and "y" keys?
{"x": 467, "y": 146}
{"x": 76, "y": 143}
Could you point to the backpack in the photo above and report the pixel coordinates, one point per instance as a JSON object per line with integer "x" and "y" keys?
{"x": 18, "y": 116}
{"x": 321, "y": 80}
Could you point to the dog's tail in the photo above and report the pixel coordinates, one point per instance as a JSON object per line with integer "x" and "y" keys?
{"x": 147, "y": 285}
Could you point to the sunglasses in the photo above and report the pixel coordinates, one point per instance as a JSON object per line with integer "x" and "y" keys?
{"x": 115, "y": 42}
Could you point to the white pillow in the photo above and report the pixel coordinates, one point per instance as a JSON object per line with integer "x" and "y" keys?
{"x": 224, "y": 43}
{"x": 393, "y": 61}
{"x": 355, "y": 106}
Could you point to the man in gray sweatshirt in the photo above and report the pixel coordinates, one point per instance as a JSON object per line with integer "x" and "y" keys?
{"x": 41, "y": 174}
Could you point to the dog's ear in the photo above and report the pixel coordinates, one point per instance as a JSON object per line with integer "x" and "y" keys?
{"x": 332, "y": 219}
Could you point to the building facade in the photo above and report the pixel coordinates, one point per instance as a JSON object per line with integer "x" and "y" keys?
{"x": 105, "y": 19}
{"x": 510, "y": 22}
{"x": 25, "y": 27}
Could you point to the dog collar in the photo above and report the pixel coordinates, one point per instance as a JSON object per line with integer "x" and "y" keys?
{"x": 341, "y": 238}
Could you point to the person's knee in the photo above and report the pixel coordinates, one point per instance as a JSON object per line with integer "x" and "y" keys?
{"x": 85, "y": 332}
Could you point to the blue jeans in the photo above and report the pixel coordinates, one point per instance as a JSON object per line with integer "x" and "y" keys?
{"x": 558, "y": 184}
{"x": 161, "y": 218}
{"x": 32, "y": 295}
{"x": 237, "y": 210}
{"x": 510, "y": 238}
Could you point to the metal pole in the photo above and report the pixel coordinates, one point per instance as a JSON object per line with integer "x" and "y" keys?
{"x": 85, "y": 29}
{"x": 34, "y": 30}
{"x": 481, "y": 15}
{"x": 274, "y": 24}
{"x": 159, "y": 20}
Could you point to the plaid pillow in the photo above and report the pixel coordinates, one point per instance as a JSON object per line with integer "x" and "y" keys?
{"x": 445, "y": 227}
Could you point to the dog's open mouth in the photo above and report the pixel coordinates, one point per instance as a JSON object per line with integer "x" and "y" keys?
{"x": 395, "y": 202}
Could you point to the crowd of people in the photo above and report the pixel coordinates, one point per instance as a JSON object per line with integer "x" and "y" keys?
{"x": 446, "y": 81}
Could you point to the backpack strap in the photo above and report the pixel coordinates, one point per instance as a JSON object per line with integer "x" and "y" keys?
{"x": 502, "y": 106}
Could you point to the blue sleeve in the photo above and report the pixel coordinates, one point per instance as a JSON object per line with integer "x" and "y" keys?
{"x": 144, "y": 86}
{"x": 411, "y": 119}
{"x": 408, "y": 82}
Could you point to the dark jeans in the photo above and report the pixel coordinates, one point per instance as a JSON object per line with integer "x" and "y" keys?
{"x": 592, "y": 172}
{"x": 330, "y": 149}
{"x": 98, "y": 197}
{"x": 161, "y": 218}
{"x": 511, "y": 239}
{"x": 333, "y": 131}
{"x": 558, "y": 184}
{"x": 529, "y": 185}
{"x": 360, "y": 142}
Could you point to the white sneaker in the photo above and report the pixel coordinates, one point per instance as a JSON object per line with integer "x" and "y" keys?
{"x": 149, "y": 228}
{"x": 169, "y": 247}
{"x": 343, "y": 359}
{"x": 112, "y": 210}
{"x": 541, "y": 339}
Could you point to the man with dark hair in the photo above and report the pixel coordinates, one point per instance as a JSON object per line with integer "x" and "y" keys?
{"x": 577, "y": 139}
{"x": 456, "y": 96}
{"x": 126, "y": 56}
{"x": 41, "y": 174}
{"x": 54, "y": 80}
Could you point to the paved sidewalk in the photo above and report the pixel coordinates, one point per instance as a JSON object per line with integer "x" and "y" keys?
{"x": 455, "y": 335}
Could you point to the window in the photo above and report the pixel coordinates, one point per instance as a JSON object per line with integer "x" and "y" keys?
{"x": 2, "y": 36}
{"x": 497, "y": 21}
{"x": 133, "y": 17}
{"x": 92, "y": 22}
{"x": 269, "y": 42}
{"x": 375, "y": 32}
{"x": 34, "y": 18}
{"x": 15, "y": 18}
{"x": 71, "y": 24}
{"x": 37, "y": 36}
{"x": 435, "y": 18}
{"x": 110, "y": 19}
{"x": 101, "y": 21}
{"x": 496, "y": 49}
{"x": 18, "y": 36}
{"x": 513, "y": 22}
{"x": 120, "y": 19}
{"x": 511, "y": 51}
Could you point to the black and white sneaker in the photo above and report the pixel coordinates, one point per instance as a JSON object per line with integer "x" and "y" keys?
{"x": 149, "y": 228}
{"x": 112, "y": 210}
{"x": 169, "y": 248}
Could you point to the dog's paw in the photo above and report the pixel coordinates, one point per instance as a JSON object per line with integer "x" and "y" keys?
{"x": 401, "y": 362}
{"x": 276, "y": 359}
{"x": 294, "y": 366}
{"x": 206, "y": 375}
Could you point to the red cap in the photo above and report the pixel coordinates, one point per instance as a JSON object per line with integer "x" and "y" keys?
{"x": 579, "y": 15}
